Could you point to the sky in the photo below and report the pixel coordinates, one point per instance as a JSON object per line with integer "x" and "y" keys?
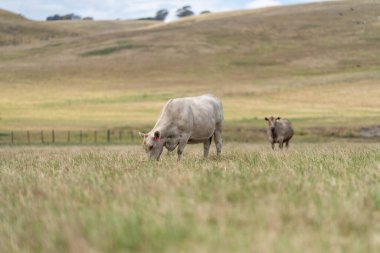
{"x": 129, "y": 9}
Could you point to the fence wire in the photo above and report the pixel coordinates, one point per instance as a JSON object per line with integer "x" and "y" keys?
{"x": 75, "y": 137}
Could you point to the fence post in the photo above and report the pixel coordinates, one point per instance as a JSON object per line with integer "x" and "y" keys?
{"x": 28, "y": 136}
{"x": 12, "y": 137}
{"x": 80, "y": 137}
{"x": 53, "y": 136}
{"x": 95, "y": 137}
{"x": 68, "y": 136}
{"x": 42, "y": 137}
{"x": 108, "y": 135}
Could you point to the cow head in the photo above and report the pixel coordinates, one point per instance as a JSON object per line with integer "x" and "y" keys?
{"x": 272, "y": 122}
{"x": 153, "y": 145}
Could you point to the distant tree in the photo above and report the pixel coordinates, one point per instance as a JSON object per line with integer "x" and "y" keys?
{"x": 70, "y": 16}
{"x": 205, "y": 12}
{"x": 162, "y": 14}
{"x": 54, "y": 17}
{"x": 147, "y": 19}
{"x": 88, "y": 18}
{"x": 66, "y": 17}
{"x": 185, "y": 11}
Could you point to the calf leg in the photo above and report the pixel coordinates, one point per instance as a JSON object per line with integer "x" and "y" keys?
{"x": 281, "y": 144}
{"x": 206, "y": 147}
{"x": 218, "y": 141}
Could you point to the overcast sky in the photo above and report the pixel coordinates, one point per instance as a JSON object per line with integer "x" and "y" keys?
{"x": 128, "y": 9}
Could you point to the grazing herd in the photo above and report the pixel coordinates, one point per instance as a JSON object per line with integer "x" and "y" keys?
{"x": 193, "y": 120}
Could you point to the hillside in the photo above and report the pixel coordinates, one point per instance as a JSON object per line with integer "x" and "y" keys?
{"x": 317, "y": 64}
{"x": 10, "y": 16}
{"x": 15, "y": 29}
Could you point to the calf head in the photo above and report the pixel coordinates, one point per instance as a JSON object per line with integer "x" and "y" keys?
{"x": 272, "y": 122}
{"x": 152, "y": 145}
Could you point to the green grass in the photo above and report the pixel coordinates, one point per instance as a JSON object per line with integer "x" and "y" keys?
{"x": 110, "y": 50}
{"x": 109, "y": 100}
{"x": 310, "y": 198}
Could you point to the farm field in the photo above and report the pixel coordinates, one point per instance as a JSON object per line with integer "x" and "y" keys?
{"x": 78, "y": 91}
{"x": 310, "y": 198}
{"x": 316, "y": 64}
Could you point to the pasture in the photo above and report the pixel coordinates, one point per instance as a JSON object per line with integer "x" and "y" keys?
{"x": 75, "y": 84}
{"x": 304, "y": 62}
{"x": 310, "y": 198}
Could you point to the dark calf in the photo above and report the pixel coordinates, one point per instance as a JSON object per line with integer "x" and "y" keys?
{"x": 279, "y": 131}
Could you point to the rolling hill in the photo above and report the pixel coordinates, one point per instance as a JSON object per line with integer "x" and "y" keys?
{"x": 317, "y": 64}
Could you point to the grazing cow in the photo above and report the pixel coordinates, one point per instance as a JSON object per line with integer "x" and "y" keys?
{"x": 186, "y": 120}
{"x": 279, "y": 131}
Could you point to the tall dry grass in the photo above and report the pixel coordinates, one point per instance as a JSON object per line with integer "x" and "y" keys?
{"x": 311, "y": 198}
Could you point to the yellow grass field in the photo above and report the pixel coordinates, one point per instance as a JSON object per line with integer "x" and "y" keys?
{"x": 313, "y": 198}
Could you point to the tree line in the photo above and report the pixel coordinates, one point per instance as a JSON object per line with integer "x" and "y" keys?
{"x": 185, "y": 11}
{"x": 161, "y": 15}
{"x": 70, "y": 16}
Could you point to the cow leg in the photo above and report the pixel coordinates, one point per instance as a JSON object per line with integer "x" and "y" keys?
{"x": 272, "y": 145}
{"x": 181, "y": 147}
{"x": 287, "y": 144}
{"x": 218, "y": 141}
{"x": 206, "y": 147}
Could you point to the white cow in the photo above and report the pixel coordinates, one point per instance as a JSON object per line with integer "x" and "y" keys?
{"x": 186, "y": 120}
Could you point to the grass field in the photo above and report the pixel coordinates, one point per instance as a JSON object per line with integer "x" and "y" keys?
{"x": 310, "y": 198}
{"x": 316, "y": 64}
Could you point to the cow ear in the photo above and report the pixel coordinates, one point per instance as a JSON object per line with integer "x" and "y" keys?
{"x": 266, "y": 119}
{"x": 278, "y": 118}
{"x": 142, "y": 135}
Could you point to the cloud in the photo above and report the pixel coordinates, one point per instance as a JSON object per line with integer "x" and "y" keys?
{"x": 262, "y": 4}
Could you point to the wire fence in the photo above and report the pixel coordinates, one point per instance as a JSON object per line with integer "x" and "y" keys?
{"x": 69, "y": 137}
{"x": 107, "y": 136}
{"x": 128, "y": 136}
